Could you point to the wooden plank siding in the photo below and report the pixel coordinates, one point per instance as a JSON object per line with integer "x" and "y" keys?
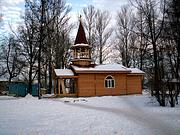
{"x": 134, "y": 84}
{"x": 92, "y": 84}
{"x": 120, "y": 84}
{"x": 86, "y": 85}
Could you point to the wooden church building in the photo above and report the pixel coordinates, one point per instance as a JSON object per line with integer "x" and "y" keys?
{"x": 85, "y": 78}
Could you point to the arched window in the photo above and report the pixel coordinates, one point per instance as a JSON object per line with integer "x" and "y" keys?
{"x": 109, "y": 82}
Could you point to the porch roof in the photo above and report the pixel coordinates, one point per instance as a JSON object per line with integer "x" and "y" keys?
{"x": 63, "y": 72}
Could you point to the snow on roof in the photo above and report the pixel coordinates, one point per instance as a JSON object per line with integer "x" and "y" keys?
{"x": 103, "y": 68}
{"x": 175, "y": 80}
{"x": 108, "y": 68}
{"x": 136, "y": 71}
{"x": 63, "y": 72}
{"x": 80, "y": 45}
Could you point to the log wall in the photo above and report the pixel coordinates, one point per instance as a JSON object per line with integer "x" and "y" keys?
{"x": 86, "y": 85}
{"x": 134, "y": 84}
{"x": 92, "y": 84}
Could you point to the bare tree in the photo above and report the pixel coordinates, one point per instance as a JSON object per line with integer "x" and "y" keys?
{"x": 102, "y": 33}
{"x": 61, "y": 38}
{"x": 1, "y": 15}
{"x": 153, "y": 12}
{"x": 173, "y": 14}
{"x": 12, "y": 58}
{"x": 3, "y": 69}
{"x": 28, "y": 38}
{"x": 172, "y": 40}
{"x": 142, "y": 41}
{"x": 45, "y": 21}
{"x": 125, "y": 35}
{"x": 89, "y": 17}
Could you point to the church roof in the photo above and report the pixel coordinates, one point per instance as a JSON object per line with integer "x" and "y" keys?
{"x": 81, "y": 36}
{"x": 102, "y": 68}
{"x": 136, "y": 71}
{"x": 107, "y": 68}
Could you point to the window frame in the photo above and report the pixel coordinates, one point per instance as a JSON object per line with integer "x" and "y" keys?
{"x": 109, "y": 83}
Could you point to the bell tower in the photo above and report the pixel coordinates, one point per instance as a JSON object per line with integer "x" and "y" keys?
{"x": 81, "y": 50}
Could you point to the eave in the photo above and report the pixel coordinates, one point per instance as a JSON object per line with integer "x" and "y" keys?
{"x": 65, "y": 77}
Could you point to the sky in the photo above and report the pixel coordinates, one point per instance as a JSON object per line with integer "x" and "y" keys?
{"x": 13, "y": 10}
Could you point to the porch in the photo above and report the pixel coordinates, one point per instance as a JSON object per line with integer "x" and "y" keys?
{"x": 65, "y": 83}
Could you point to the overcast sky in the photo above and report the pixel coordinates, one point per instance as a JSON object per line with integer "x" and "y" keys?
{"x": 13, "y": 9}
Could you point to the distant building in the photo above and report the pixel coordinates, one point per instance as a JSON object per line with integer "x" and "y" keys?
{"x": 3, "y": 83}
{"x": 85, "y": 78}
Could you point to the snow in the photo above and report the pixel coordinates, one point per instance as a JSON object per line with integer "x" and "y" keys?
{"x": 136, "y": 71}
{"x": 7, "y": 98}
{"x": 63, "y": 72}
{"x": 98, "y": 68}
{"x": 81, "y": 45}
{"x": 28, "y": 96}
{"x": 108, "y": 68}
{"x": 108, "y": 115}
{"x": 103, "y": 68}
{"x": 175, "y": 80}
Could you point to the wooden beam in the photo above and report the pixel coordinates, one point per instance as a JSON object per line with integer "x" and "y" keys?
{"x": 55, "y": 91}
{"x": 66, "y": 77}
{"x": 75, "y": 56}
{"x": 67, "y": 95}
{"x": 135, "y": 74}
{"x": 58, "y": 87}
{"x": 63, "y": 86}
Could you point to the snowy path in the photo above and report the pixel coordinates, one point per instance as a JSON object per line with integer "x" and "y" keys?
{"x": 152, "y": 120}
{"x": 134, "y": 112}
{"x": 118, "y": 115}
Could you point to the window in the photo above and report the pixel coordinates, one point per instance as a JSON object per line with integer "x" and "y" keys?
{"x": 109, "y": 82}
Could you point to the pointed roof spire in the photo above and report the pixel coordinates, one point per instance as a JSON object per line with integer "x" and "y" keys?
{"x": 81, "y": 36}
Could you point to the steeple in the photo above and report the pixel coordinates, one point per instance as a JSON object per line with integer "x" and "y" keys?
{"x": 81, "y": 36}
{"x": 81, "y": 50}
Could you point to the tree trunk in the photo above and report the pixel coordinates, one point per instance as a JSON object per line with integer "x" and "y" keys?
{"x": 100, "y": 55}
{"x": 30, "y": 80}
{"x": 178, "y": 59}
{"x": 50, "y": 76}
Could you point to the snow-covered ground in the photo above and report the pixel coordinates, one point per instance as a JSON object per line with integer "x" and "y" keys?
{"x": 117, "y": 115}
